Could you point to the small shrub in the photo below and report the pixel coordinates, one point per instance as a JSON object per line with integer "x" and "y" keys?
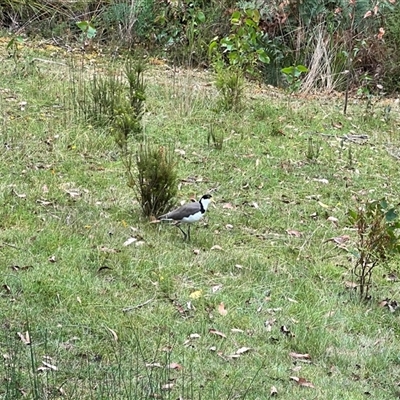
{"x": 239, "y": 53}
{"x": 230, "y": 84}
{"x": 157, "y": 183}
{"x": 313, "y": 150}
{"x": 215, "y": 138}
{"x": 377, "y": 225}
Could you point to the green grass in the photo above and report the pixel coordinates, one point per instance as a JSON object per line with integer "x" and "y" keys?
{"x": 67, "y": 278}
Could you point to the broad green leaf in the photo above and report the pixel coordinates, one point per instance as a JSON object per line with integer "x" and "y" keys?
{"x": 200, "y": 17}
{"x": 391, "y": 215}
{"x": 91, "y": 32}
{"x": 302, "y": 68}
{"x": 288, "y": 70}
{"x": 235, "y": 18}
{"x": 262, "y": 56}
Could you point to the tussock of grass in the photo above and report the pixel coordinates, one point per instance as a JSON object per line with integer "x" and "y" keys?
{"x": 67, "y": 278}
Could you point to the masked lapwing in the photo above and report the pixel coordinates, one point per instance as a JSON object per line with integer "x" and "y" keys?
{"x": 188, "y": 213}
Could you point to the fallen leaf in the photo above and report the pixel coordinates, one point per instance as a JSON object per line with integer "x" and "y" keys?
{"x": 215, "y": 288}
{"x": 222, "y": 310}
{"x": 334, "y": 220}
{"x": 329, "y": 314}
{"x": 44, "y": 202}
{"x": 324, "y": 181}
{"x": 291, "y": 300}
{"x": 50, "y": 366}
{"x": 194, "y": 336}
{"x": 196, "y": 294}
{"x": 273, "y": 391}
{"x": 292, "y": 232}
{"x": 242, "y": 350}
{"x": 229, "y": 226}
{"x": 129, "y": 241}
{"x": 286, "y": 331}
{"x": 7, "y": 288}
{"x": 302, "y": 382}
{"x": 215, "y": 332}
{"x": 105, "y": 249}
{"x": 236, "y": 330}
{"x": 268, "y": 324}
{"x": 300, "y": 356}
{"x": 350, "y": 285}
{"x": 339, "y": 240}
{"x": 196, "y": 251}
{"x": 153, "y": 365}
{"x": 167, "y": 386}
{"x": 323, "y": 205}
{"x": 52, "y": 259}
{"x": 73, "y": 193}
{"x": 176, "y": 366}
{"x": 113, "y": 333}
{"x": 228, "y": 206}
{"x": 216, "y": 247}
{"x": 25, "y": 338}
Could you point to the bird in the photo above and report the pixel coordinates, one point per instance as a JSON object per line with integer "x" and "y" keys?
{"x": 188, "y": 213}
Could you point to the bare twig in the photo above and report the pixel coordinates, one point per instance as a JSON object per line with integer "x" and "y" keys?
{"x": 9, "y": 245}
{"x": 130, "y": 308}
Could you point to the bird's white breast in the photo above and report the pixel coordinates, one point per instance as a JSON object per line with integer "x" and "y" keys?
{"x": 192, "y": 218}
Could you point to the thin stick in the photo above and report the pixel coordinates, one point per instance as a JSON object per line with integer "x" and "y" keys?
{"x": 126, "y": 309}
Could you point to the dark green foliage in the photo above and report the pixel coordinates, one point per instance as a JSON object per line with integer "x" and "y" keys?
{"x": 215, "y": 137}
{"x": 230, "y": 84}
{"x": 377, "y": 224}
{"x": 102, "y": 96}
{"x": 157, "y": 179}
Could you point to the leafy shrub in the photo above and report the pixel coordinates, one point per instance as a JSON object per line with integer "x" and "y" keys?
{"x": 157, "y": 179}
{"x": 377, "y": 224}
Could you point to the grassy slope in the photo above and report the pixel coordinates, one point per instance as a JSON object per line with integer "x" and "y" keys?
{"x": 66, "y": 212}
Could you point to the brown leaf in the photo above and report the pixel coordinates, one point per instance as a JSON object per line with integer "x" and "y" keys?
{"x": 350, "y": 285}
{"x": 176, "y": 366}
{"x": 300, "y": 356}
{"x": 292, "y": 232}
{"x": 215, "y": 332}
{"x": 196, "y": 251}
{"x": 216, "y": 247}
{"x": 222, "y": 310}
{"x": 302, "y": 382}
{"x": 339, "y": 240}
{"x": 273, "y": 391}
{"x": 228, "y": 206}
